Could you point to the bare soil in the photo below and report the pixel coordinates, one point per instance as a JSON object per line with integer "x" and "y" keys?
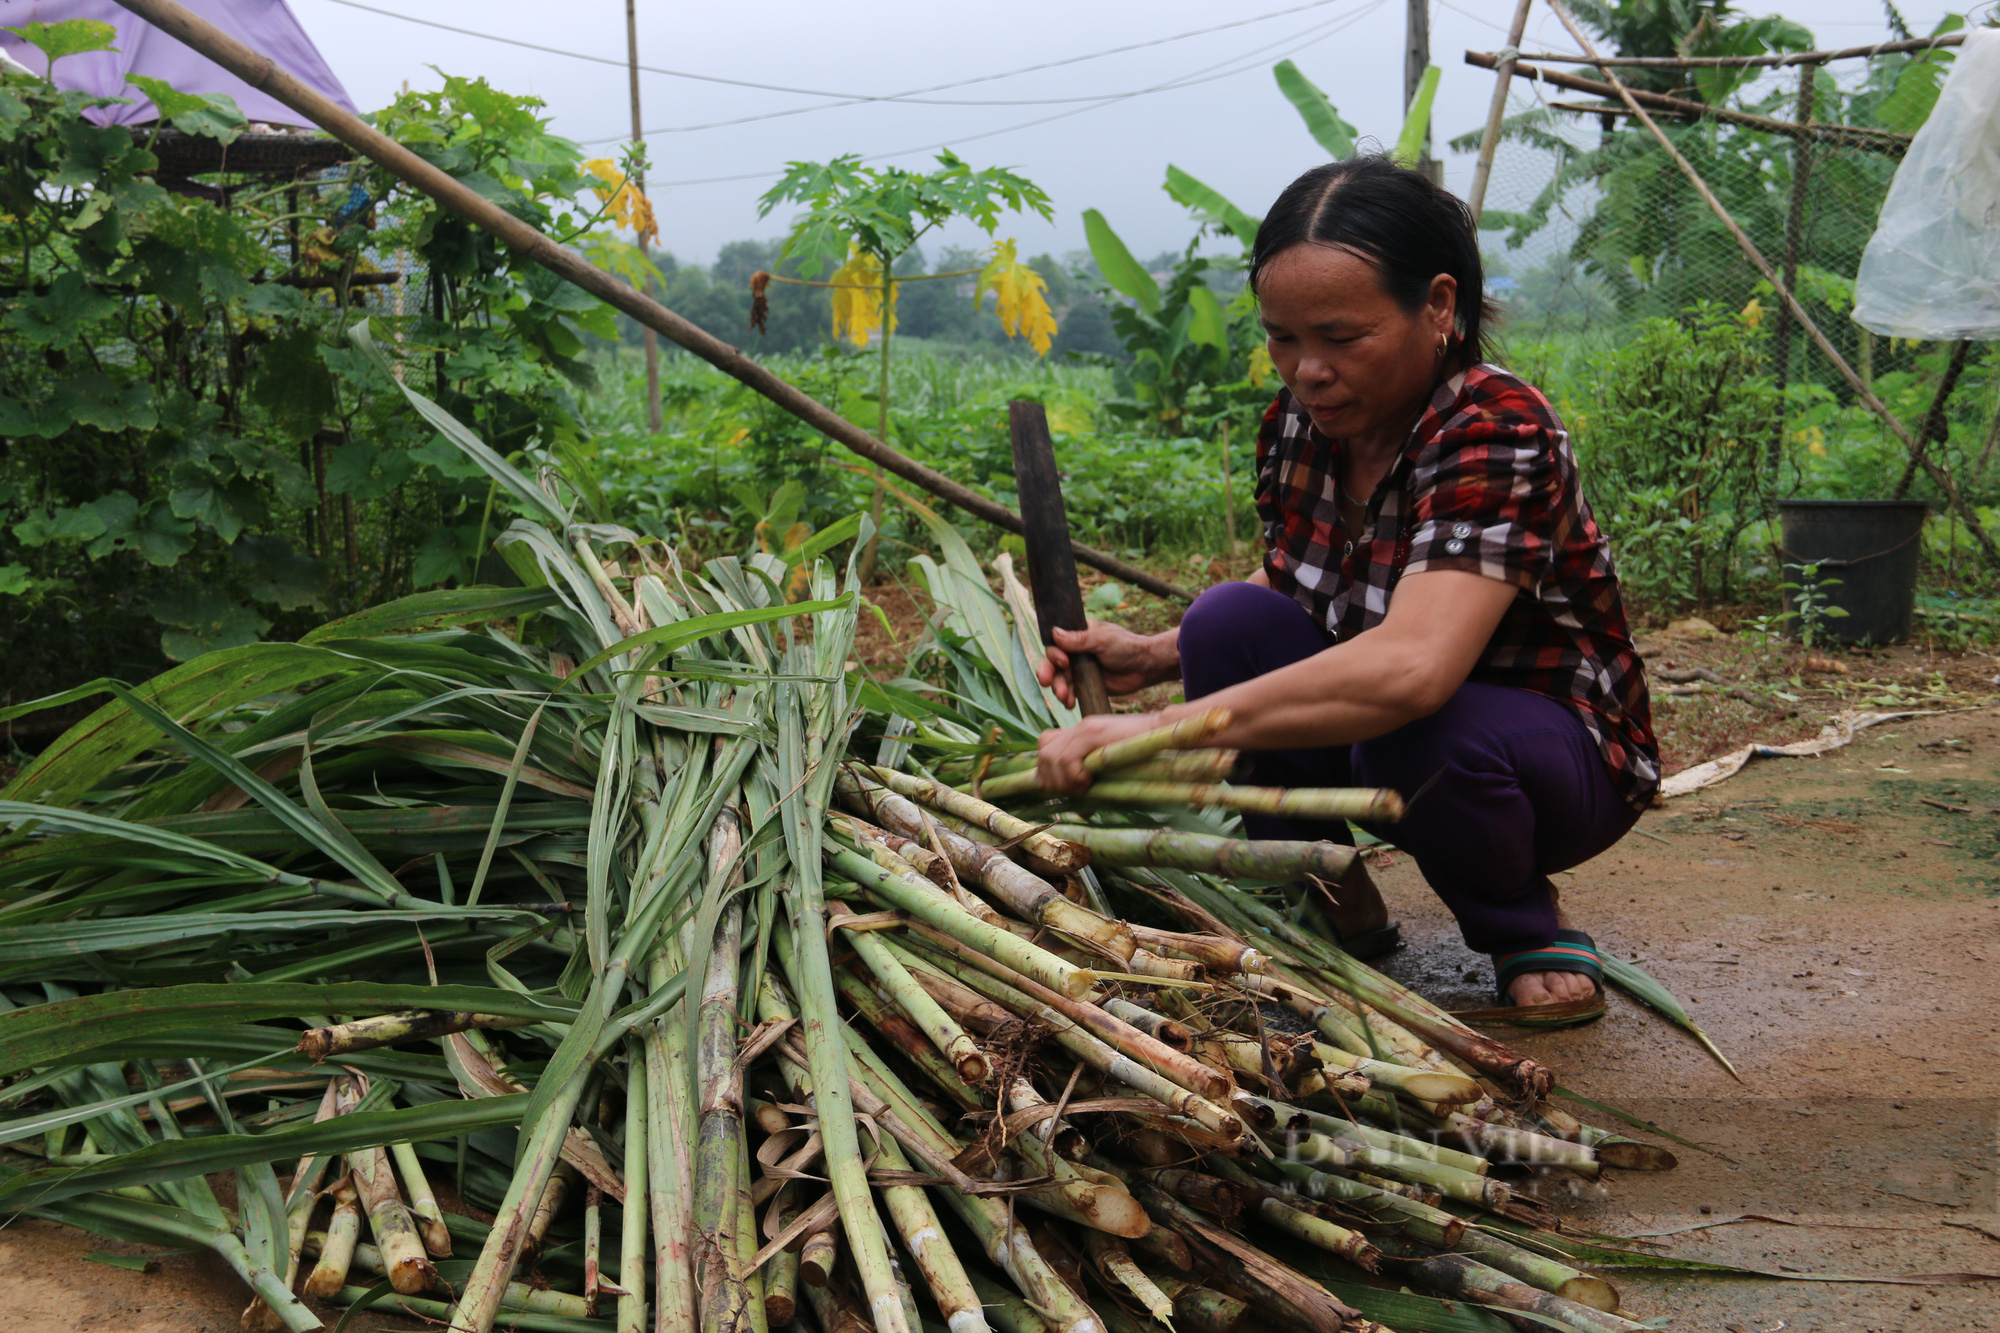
{"x": 1833, "y": 923}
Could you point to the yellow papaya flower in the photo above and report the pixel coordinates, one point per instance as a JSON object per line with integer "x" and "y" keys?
{"x": 857, "y": 297}
{"x": 628, "y": 207}
{"x": 1021, "y": 298}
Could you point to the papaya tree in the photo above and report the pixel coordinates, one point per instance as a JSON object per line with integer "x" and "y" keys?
{"x": 861, "y": 220}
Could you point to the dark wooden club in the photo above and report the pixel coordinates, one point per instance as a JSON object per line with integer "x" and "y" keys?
{"x": 1051, "y": 563}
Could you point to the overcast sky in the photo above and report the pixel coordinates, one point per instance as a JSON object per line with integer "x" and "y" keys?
{"x": 1205, "y": 103}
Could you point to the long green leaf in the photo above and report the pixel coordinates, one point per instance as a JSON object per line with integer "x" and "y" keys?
{"x": 667, "y": 638}
{"x": 441, "y": 606}
{"x": 338, "y": 847}
{"x": 532, "y": 498}
{"x": 1644, "y": 989}
{"x": 1417, "y": 124}
{"x": 180, "y": 1159}
{"x": 1213, "y": 207}
{"x": 1328, "y": 130}
{"x": 89, "y": 752}
{"x": 70, "y": 938}
{"x": 1126, "y": 275}
{"x": 1209, "y": 327}
{"x": 38, "y": 1034}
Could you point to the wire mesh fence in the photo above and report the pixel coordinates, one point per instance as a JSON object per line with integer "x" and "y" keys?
{"x": 1696, "y": 401}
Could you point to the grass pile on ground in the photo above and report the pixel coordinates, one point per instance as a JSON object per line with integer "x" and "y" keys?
{"x": 619, "y": 905}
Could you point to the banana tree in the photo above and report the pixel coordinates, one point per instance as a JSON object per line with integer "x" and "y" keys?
{"x": 1328, "y": 130}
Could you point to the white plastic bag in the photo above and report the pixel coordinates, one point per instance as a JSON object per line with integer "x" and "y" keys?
{"x": 1932, "y": 268}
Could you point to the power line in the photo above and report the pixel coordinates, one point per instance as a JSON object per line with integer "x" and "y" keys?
{"x": 1311, "y": 37}
{"x": 847, "y": 99}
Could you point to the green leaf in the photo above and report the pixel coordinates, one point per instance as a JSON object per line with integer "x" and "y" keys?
{"x": 111, "y": 404}
{"x": 44, "y": 1033}
{"x": 64, "y": 525}
{"x": 58, "y": 317}
{"x": 1417, "y": 124}
{"x": 203, "y": 619}
{"x": 291, "y": 382}
{"x": 43, "y": 421}
{"x": 1328, "y": 130}
{"x": 1126, "y": 275}
{"x": 1208, "y": 202}
{"x": 68, "y": 38}
{"x": 14, "y": 580}
{"x": 70, "y": 939}
{"x": 166, "y": 99}
{"x": 177, "y": 1159}
{"x": 131, "y": 1263}
{"x": 276, "y": 573}
{"x": 333, "y": 843}
{"x": 1208, "y": 326}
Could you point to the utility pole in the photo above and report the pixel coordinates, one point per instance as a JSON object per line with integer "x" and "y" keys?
{"x": 639, "y": 137}
{"x": 1417, "y": 59}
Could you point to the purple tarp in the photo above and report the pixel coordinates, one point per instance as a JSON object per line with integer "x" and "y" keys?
{"x": 266, "y": 26}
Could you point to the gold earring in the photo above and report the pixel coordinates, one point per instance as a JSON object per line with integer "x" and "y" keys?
{"x": 1444, "y": 345}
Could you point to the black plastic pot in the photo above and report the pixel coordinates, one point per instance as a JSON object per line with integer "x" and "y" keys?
{"x": 1873, "y": 548}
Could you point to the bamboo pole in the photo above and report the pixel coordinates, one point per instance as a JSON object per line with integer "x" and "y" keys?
{"x": 263, "y": 74}
{"x": 1750, "y": 62}
{"x": 1848, "y": 136}
{"x": 1795, "y": 220}
{"x": 1784, "y": 291}
{"x": 1496, "y": 111}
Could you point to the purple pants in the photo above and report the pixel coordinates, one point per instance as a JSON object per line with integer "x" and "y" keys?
{"x": 1521, "y": 789}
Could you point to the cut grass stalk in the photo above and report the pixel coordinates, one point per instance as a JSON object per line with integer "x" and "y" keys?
{"x": 917, "y": 1223}
{"x": 718, "y": 1152}
{"x": 343, "y": 1232}
{"x": 896, "y": 1027}
{"x": 1054, "y": 852}
{"x": 423, "y": 1203}
{"x": 395, "y": 1233}
{"x": 634, "y": 1251}
{"x": 1102, "y": 1057}
{"x": 920, "y": 899}
{"x": 1370, "y": 805}
{"x": 781, "y": 1271}
{"x": 366, "y": 1034}
{"x": 1026, "y": 895}
{"x": 1233, "y": 857}
{"x": 1019, "y": 778}
{"x": 944, "y": 1033}
{"x": 1187, "y": 734}
{"x": 818, "y": 1256}
{"x": 1466, "y": 1278}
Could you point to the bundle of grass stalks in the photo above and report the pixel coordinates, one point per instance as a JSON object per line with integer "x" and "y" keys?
{"x": 620, "y": 909}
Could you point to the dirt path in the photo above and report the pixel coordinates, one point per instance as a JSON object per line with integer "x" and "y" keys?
{"x": 1831, "y": 922}
{"x": 1838, "y": 937}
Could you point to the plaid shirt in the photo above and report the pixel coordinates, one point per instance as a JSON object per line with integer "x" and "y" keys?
{"x": 1486, "y": 484}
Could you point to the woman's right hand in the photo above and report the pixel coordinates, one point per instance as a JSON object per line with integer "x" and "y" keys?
{"x": 1130, "y": 662}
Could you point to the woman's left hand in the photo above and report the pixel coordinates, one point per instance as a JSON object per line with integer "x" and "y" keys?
{"x": 1059, "y": 763}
